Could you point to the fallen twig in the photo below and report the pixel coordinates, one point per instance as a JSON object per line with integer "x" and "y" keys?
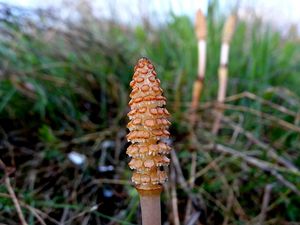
{"x": 266, "y": 166}
{"x": 265, "y": 203}
{"x": 252, "y": 96}
{"x": 270, "y": 151}
{"x": 274, "y": 119}
{"x": 12, "y": 194}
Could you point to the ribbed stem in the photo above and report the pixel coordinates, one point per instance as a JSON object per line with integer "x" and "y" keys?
{"x": 221, "y": 97}
{"x": 197, "y": 90}
{"x": 151, "y": 210}
{"x": 223, "y": 77}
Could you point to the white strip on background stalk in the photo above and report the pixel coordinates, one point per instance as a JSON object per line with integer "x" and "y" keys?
{"x": 224, "y": 54}
{"x": 201, "y": 58}
{"x": 223, "y": 72}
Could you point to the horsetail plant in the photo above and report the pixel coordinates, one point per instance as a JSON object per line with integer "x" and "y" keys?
{"x": 148, "y": 128}
{"x": 201, "y": 33}
{"x": 228, "y": 31}
{"x": 200, "y": 30}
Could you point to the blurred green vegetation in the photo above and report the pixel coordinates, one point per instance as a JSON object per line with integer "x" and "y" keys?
{"x": 64, "y": 86}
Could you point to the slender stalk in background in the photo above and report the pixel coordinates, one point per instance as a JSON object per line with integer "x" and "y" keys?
{"x": 148, "y": 126}
{"x": 228, "y": 31}
{"x": 200, "y": 30}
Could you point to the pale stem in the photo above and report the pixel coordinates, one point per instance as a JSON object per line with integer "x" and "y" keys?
{"x": 151, "y": 210}
{"x": 221, "y": 97}
{"x": 222, "y": 84}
